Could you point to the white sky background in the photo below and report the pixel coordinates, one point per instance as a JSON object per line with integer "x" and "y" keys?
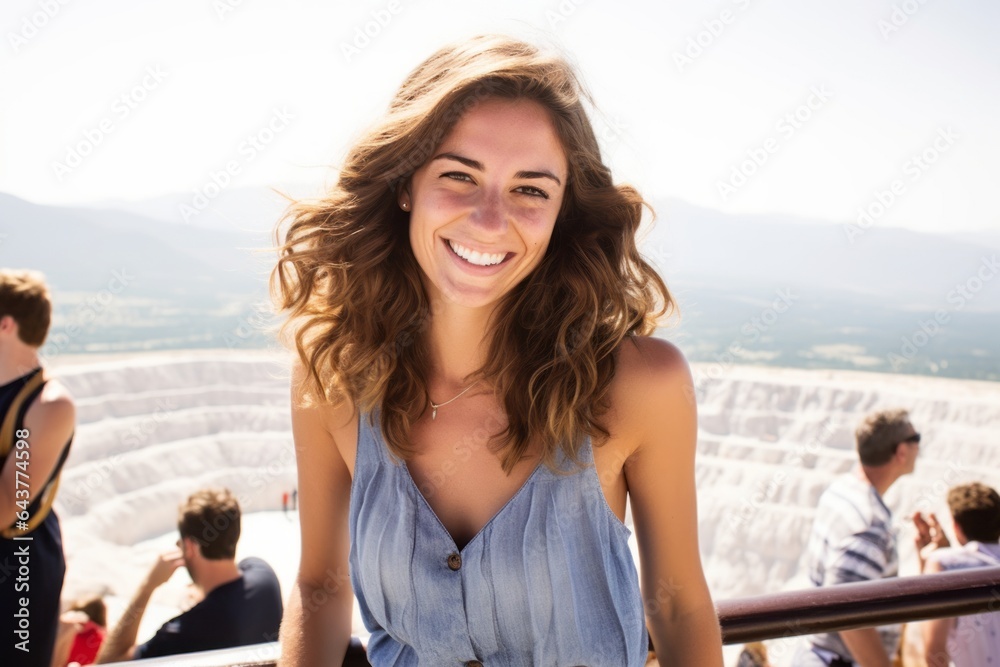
{"x": 672, "y": 131}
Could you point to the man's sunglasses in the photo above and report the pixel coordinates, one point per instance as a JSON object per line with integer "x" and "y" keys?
{"x": 915, "y": 439}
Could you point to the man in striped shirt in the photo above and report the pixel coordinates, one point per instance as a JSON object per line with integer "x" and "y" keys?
{"x": 853, "y": 540}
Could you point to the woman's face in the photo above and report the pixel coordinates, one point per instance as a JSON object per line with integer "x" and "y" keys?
{"x": 483, "y": 208}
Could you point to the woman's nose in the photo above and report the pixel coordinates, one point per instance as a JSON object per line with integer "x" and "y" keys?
{"x": 490, "y": 212}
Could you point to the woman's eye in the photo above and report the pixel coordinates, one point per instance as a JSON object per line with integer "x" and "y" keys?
{"x": 529, "y": 190}
{"x": 533, "y": 191}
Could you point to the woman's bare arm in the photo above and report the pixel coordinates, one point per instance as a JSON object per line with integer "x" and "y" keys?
{"x": 661, "y": 412}
{"x": 316, "y": 628}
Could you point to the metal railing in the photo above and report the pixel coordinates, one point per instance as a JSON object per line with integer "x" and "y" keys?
{"x": 772, "y": 616}
{"x": 860, "y": 605}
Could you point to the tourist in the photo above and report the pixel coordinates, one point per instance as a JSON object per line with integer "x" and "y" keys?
{"x": 37, "y": 418}
{"x": 853, "y": 539}
{"x": 241, "y": 603}
{"x": 472, "y": 320}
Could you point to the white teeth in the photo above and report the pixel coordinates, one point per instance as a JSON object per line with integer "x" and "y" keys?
{"x": 476, "y": 257}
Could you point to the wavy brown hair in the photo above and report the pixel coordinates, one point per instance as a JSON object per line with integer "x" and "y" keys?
{"x": 348, "y": 279}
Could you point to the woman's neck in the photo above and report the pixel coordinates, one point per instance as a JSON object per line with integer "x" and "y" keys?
{"x": 457, "y": 345}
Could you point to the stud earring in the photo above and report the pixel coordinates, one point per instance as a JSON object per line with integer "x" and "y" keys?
{"x": 405, "y": 206}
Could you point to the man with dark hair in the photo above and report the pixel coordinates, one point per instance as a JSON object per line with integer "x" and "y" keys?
{"x": 241, "y": 604}
{"x": 967, "y": 641}
{"x": 853, "y": 540}
{"x": 212, "y": 518}
{"x": 37, "y": 417}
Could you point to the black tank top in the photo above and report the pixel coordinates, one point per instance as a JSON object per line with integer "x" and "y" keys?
{"x": 40, "y": 583}
{"x": 8, "y": 392}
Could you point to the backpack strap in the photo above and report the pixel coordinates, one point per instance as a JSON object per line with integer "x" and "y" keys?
{"x": 10, "y": 419}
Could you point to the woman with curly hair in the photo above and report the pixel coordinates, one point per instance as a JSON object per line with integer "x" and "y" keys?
{"x": 477, "y": 392}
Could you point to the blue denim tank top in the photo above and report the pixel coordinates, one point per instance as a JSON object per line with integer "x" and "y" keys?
{"x": 549, "y": 580}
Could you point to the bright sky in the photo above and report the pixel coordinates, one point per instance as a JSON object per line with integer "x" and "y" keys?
{"x": 745, "y": 106}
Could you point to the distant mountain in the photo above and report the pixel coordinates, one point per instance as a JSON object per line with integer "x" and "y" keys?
{"x": 892, "y": 266}
{"x": 125, "y": 282}
{"x": 782, "y": 291}
{"x": 986, "y": 239}
{"x": 247, "y": 209}
{"x": 79, "y": 248}
{"x": 769, "y": 290}
{"x": 700, "y": 246}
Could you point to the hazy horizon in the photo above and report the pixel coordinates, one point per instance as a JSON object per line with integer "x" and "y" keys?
{"x": 776, "y": 293}
{"x": 749, "y": 108}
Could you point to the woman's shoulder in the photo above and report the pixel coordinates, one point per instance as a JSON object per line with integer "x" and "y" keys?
{"x": 317, "y": 422}
{"x": 652, "y": 378}
{"x": 646, "y": 363}
{"x": 336, "y": 410}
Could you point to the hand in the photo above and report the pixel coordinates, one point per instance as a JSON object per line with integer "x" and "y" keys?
{"x": 163, "y": 568}
{"x": 930, "y": 536}
{"x": 923, "y": 537}
{"x": 72, "y": 622}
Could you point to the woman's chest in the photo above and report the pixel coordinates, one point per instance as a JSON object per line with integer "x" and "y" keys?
{"x": 457, "y": 468}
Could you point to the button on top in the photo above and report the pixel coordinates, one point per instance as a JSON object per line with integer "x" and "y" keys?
{"x": 455, "y": 562}
{"x": 473, "y": 663}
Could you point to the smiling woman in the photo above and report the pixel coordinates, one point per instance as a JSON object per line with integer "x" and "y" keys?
{"x": 475, "y": 249}
{"x": 487, "y": 216}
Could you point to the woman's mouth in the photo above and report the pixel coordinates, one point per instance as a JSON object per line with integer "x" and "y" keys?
{"x": 476, "y": 258}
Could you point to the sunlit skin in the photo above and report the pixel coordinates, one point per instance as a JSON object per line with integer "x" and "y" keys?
{"x": 495, "y": 184}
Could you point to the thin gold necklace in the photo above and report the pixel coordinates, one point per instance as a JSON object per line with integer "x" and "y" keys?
{"x": 434, "y": 405}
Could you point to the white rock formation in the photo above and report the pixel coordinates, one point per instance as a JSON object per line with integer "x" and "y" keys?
{"x": 154, "y": 428}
